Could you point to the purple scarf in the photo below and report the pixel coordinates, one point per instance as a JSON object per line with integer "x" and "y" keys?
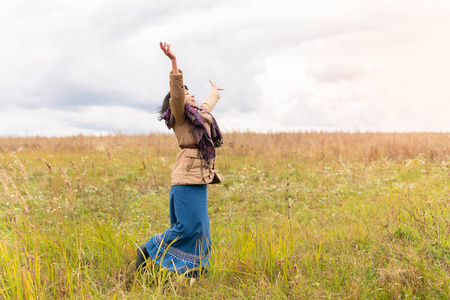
{"x": 206, "y": 142}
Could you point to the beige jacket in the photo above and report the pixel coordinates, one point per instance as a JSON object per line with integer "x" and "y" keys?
{"x": 190, "y": 166}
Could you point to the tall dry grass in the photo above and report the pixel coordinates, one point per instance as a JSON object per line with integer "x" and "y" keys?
{"x": 365, "y": 146}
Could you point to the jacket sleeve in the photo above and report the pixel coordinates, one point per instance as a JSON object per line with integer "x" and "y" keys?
{"x": 177, "y": 97}
{"x": 210, "y": 101}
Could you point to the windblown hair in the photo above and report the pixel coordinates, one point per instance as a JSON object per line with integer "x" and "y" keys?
{"x": 165, "y": 105}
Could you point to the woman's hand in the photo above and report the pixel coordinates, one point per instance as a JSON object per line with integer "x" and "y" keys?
{"x": 167, "y": 51}
{"x": 215, "y": 87}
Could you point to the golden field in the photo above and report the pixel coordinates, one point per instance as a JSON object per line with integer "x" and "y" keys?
{"x": 308, "y": 215}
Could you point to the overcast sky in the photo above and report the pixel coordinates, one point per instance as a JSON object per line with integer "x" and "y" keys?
{"x": 95, "y": 67}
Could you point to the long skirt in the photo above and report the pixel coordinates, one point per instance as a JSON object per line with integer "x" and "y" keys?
{"x": 186, "y": 244}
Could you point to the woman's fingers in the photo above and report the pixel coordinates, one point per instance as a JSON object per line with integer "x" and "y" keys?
{"x": 165, "y": 47}
{"x": 214, "y": 86}
{"x": 167, "y": 51}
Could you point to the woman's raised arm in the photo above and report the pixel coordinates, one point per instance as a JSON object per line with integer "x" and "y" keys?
{"x": 211, "y": 99}
{"x": 177, "y": 93}
{"x": 167, "y": 51}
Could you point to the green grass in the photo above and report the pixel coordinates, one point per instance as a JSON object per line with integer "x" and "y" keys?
{"x": 321, "y": 226}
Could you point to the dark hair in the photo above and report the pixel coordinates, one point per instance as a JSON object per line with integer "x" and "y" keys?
{"x": 165, "y": 105}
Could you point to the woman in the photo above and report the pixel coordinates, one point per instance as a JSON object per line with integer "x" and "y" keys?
{"x": 186, "y": 246}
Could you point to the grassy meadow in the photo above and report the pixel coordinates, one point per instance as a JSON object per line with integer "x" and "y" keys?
{"x": 298, "y": 215}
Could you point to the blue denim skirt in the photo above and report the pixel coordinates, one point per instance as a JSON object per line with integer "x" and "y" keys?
{"x": 186, "y": 244}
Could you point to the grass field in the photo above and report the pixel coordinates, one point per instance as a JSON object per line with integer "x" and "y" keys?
{"x": 298, "y": 215}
